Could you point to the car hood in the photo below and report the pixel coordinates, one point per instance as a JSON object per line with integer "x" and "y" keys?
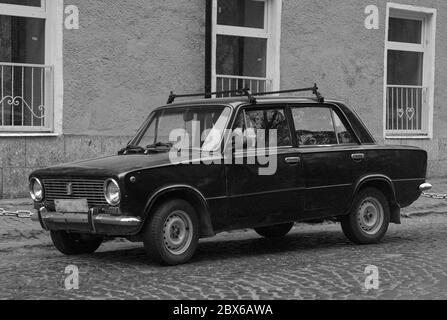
{"x": 108, "y": 166}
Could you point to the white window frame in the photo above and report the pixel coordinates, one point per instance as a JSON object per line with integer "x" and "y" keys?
{"x": 52, "y": 11}
{"x": 271, "y": 32}
{"x": 427, "y": 46}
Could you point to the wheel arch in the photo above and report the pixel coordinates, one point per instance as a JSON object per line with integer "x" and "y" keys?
{"x": 386, "y": 186}
{"x": 189, "y": 194}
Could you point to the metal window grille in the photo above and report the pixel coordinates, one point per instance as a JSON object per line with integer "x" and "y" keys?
{"x": 231, "y": 83}
{"x": 406, "y": 110}
{"x": 26, "y": 98}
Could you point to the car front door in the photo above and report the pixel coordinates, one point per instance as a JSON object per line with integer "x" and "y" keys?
{"x": 332, "y": 158}
{"x": 259, "y": 196}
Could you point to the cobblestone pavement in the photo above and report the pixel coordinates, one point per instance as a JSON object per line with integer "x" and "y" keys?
{"x": 313, "y": 262}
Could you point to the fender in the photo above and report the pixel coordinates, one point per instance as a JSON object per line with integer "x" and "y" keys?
{"x": 203, "y": 214}
{"x": 394, "y": 205}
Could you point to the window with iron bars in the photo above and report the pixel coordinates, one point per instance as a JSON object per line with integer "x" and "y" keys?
{"x": 409, "y": 72}
{"x": 245, "y": 45}
{"x": 26, "y": 81}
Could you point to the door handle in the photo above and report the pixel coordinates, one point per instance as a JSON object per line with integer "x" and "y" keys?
{"x": 358, "y": 157}
{"x": 293, "y": 160}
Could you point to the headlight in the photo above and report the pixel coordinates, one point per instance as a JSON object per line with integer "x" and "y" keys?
{"x": 36, "y": 190}
{"x": 112, "y": 192}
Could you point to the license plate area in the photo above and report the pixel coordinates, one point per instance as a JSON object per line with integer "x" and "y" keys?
{"x": 72, "y": 206}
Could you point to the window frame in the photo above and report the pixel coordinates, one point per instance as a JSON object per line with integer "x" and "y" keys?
{"x": 52, "y": 12}
{"x": 24, "y": 11}
{"x": 427, "y": 47}
{"x": 271, "y": 32}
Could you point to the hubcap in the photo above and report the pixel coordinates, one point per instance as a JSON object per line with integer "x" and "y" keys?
{"x": 370, "y": 216}
{"x": 178, "y": 232}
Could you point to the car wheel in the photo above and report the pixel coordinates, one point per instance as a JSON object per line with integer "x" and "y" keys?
{"x": 171, "y": 235}
{"x": 277, "y": 231}
{"x": 369, "y": 219}
{"x": 75, "y": 243}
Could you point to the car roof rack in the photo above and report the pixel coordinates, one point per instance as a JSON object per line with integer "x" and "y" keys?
{"x": 247, "y": 92}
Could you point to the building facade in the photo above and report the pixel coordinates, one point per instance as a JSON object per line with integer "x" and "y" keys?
{"x": 69, "y": 94}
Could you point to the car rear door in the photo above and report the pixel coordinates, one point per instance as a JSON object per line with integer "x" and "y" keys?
{"x": 257, "y": 197}
{"x": 333, "y": 159}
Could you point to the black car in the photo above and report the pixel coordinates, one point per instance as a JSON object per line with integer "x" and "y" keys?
{"x": 243, "y": 162}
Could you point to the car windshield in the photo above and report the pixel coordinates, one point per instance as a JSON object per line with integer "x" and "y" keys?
{"x": 193, "y": 127}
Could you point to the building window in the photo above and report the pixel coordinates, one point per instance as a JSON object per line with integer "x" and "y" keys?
{"x": 245, "y": 45}
{"x": 409, "y": 71}
{"x": 30, "y": 38}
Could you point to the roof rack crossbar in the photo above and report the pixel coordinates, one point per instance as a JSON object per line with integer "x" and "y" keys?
{"x": 240, "y": 92}
{"x": 314, "y": 90}
{"x": 246, "y": 92}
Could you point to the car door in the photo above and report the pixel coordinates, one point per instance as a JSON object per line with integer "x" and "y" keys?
{"x": 332, "y": 157}
{"x": 258, "y": 198}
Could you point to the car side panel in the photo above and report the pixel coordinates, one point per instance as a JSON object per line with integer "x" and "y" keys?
{"x": 330, "y": 177}
{"x": 208, "y": 180}
{"x": 259, "y": 200}
{"x": 405, "y": 166}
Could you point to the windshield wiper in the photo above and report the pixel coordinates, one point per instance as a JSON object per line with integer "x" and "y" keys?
{"x": 159, "y": 145}
{"x": 132, "y": 148}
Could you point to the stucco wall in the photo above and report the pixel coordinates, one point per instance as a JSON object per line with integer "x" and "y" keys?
{"x": 127, "y": 56}
{"x": 326, "y": 41}
{"x": 125, "y": 59}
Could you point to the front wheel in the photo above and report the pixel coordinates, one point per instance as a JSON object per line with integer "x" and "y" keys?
{"x": 171, "y": 235}
{"x": 369, "y": 219}
{"x": 75, "y": 243}
{"x": 277, "y": 231}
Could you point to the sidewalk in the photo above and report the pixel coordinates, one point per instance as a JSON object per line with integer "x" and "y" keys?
{"x": 15, "y": 229}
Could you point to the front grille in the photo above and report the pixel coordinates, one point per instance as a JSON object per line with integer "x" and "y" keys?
{"x": 92, "y": 190}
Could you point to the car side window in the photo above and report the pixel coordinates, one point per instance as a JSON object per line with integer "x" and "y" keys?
{"x": 319, "y": 126}
{"x": 249, "y": 123}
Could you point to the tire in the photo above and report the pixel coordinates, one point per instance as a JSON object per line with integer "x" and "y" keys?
{"x": 172, "y": 233}
{"x": 74, "y": 243}
{"x": 277, "y": 231}
{"x": 369, "y": 219}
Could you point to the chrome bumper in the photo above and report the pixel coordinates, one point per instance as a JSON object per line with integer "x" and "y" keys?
{"x": 425, "y": 187}
{"x": 95, "y": 222}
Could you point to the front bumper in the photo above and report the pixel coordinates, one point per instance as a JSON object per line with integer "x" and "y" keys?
{"x": 103, "y": 224}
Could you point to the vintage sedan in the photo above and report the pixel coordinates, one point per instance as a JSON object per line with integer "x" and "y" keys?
{"x": 297, "y": 160}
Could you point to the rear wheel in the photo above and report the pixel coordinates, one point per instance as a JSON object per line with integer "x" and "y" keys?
{"x": 75, "y": 243}
{"x": 369, "y": 219}
{"x": 171, "y": 235}
{"x": 277, "y": 231}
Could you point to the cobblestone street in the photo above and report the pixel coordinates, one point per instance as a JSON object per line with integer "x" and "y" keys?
{"x": 313, "y": 262}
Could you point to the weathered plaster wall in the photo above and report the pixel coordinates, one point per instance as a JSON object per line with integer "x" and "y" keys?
{"x": 326, "y": 41}
{"x": 127, "y": 56}
{"x": 121, "y": 64}
{"x": 20, "y": 156}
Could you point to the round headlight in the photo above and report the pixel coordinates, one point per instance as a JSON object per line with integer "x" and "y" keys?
{"x": 36, "y": 189}
{"x": 112, "y": 192}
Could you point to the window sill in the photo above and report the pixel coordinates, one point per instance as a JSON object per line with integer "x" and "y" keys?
{"x": 408, "y": 138}
{"x": 28, "y": 135}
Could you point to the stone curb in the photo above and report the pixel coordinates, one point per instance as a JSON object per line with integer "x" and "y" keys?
{"x": 16, "y": 202}
{"x": 417, "y": 214}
